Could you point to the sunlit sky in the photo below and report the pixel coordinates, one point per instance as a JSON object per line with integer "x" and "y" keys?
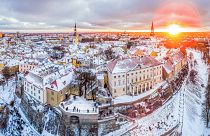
{"x": 103, "y": 15}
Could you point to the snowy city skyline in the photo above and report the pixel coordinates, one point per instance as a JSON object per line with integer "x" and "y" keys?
{"x": 104, "y": 68}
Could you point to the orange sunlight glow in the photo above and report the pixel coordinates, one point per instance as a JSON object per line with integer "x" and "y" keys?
{"x": 174, "y": 29}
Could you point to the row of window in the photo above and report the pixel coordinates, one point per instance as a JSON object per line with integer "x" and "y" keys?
{"x": 28, "y": 66}
{"x": 33, "y": 89}
{"x": 123, "y": 82}
{"x": 34, "y": 94}
{"x": 155, "y": 73}
{"x": 141, "y": 88}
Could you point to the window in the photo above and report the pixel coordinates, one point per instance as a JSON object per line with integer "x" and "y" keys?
{"x": 34, "y": 94}
{"x": 115, "y": 83}
{"x": 123, "y": 75}
{"x": 39, "y": 91}
{"x": 119, "y": 82}
{"x": 131, "y": 73}
{"x": 119, "y": 76}
{"x": 123, "y": 82}
{"x": 114, "y": 76}
{"x": 52, "y": 93}
{"x": 39, "y": 97}
{"x": 123, "y": 89}
{"x": 114, "y": 90}
{"x": 52, "y": 98}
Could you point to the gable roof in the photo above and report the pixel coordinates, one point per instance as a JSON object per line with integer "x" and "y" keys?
{"x": 127, "y": 64}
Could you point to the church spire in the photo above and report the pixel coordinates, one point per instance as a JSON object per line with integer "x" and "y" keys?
{"x": 152, "y": 30}
{"x": 75, "y": 39}
{"x": 75, "y": 29}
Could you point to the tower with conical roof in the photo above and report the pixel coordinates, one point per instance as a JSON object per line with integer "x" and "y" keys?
{"x": 152, "y": 33}
{"x": 75, "y": 37}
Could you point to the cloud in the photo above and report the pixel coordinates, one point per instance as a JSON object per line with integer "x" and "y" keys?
{"x": 94, "y": 14}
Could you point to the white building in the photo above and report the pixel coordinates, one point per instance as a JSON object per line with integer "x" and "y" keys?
{"x": 27, "y": 65}
{"x": 133, "y": 76}
{"x": 38, "y": 79}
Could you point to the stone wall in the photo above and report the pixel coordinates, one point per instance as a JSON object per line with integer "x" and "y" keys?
{"x": 35, "y": 117}
{"x": 54, "y": 122}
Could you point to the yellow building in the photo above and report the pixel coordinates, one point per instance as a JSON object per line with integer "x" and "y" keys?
{"x": 91, "y": 96}
{"x": 1, "y": 34}
{"x": 61, "y": 62}
{"x": 13, "y": 69}
{"x": 54, "y": 98}
{"x": 153, "y": 54}
{"x": 76, "y": 63}
{"x": 1, "y": 66}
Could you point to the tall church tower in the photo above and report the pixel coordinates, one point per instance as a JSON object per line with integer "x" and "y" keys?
{"x": 152, "y": 33}
{"x": 75, "y": 38}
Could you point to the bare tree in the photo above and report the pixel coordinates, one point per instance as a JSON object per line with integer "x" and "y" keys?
{"x": 86, "y": 79}
{"x": 206, "y": 111}
{"x": 109, "y": 54}
{"x": 6, "y": 72}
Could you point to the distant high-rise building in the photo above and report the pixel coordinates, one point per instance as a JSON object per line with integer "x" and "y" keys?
{"x": 18, "y": 35}
{"x": 1, "y": 34}
{"x": 75, "y": 38}
{"x": 152, "y": 30}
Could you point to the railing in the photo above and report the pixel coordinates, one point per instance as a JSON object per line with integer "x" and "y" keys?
{"x": 80, "y": 111}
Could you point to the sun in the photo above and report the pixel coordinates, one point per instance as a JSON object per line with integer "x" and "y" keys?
{"x": 174, "y": 29}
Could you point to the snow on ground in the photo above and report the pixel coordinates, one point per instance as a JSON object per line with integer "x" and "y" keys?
{"x": 80, "y": 106}
{"x": 7, "y": 92}
{"x": 128, "y": 98}
{"x": 169, "y": 115}
{"x": 160, "y": 121}
{"x": 193, "y": 124}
